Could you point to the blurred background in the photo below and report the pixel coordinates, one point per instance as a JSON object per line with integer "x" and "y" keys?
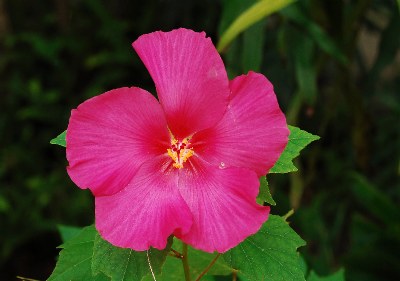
{"x": 335, "y": 65}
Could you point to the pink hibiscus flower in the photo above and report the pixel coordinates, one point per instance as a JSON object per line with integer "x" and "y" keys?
{"x": 188, "y": 164}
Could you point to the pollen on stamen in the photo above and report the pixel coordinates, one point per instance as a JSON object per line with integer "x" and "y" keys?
{"x": 172, "y": 154}
{"x": 180, "y": 152}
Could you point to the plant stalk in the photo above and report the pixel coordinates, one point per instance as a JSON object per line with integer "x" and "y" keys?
{"x": 234, "y": 275}
{"x": 208, "y": 267}
{"x": 185, "y": 261}
{"x": 175, "y": 254}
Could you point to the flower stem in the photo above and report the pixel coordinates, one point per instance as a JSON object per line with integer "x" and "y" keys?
{"x": 208, "y": 267}
{"x": 26, "y": 279}
{"x": 288, "y": 214}
{"x": 185, "y": 261}
{"x": 175, "y": 254}
{"x": 234, "y": 275}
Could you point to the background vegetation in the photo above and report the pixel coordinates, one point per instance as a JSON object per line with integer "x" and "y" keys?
{"x": 335, "y": 65}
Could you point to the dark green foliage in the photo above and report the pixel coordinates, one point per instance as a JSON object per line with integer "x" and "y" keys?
{"x": 270, "y": 254}
{"x": 86, "y": 256}
{"x": 337, "y": 276}
{"x": 125, "y": 264}
{"x": 76, "y": 258}
{"x": 334, "y": 65}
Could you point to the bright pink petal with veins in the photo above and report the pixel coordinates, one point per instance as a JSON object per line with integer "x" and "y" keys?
{"x": 146, "y": 212}
{"x": 111, "y": 135}
{"x": 190, "y": 78}
{"x": 253, "y": 132}
{"x": 223, "y": 204}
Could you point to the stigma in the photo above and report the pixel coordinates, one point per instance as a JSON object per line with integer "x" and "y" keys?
{"x": 180, "y": 151}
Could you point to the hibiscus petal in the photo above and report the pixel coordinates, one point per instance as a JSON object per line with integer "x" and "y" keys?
{"x": 147, "y": 211}
{"x": 223, "y": 205}
{"x": 190, "y": 78}
{"x": 253, "y": 132}
{"x": 111, "y": 135}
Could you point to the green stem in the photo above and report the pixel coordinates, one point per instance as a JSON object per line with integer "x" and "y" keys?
{"x": 288, "y": 214}
{"x": 208, "y": 267}
{"x": 234, "y": 275}
{"x": 26, "y": 279}
{"x": 185, "y": 261}
{"x": 175, "y": 254}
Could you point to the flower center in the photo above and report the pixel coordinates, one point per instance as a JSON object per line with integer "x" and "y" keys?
{"x": 180, "y": 151}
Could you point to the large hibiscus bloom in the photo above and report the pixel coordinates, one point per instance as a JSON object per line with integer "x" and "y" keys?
{"x": 188, "y": 164}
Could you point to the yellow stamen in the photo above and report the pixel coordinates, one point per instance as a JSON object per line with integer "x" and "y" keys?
{"x": 180, "y": 152}
{"x": 173, "y": 154}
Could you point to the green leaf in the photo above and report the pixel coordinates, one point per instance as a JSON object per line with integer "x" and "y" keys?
{"x": 303, "y": 57}
{"x": 303, "y": 265}
{"x": 68, "y": 232}
{"x": 60, "y": 139}
{"x": 253, "y": 42}
{"x": 316, "y": 32}
{"x": 337, "y": 276}
{"x": 252, "y": 15}
{"x": 231, "y": 9}
{"x": 75, "y": 259}
{"x": 306, "y": 72}
{"x": 264, "y": 194}
{"x": 398, "y": 5}
{"x": 298, "y": 139}
{"x": 125, "y": 264}
{"x": 245, "y": 53}
{"x": 198, "y": 261}
{"x": 271, "y": 254}
{"x": 388, "y": 48}
{"x": 4, "y": 204}
{"x": 373, "y": 199}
